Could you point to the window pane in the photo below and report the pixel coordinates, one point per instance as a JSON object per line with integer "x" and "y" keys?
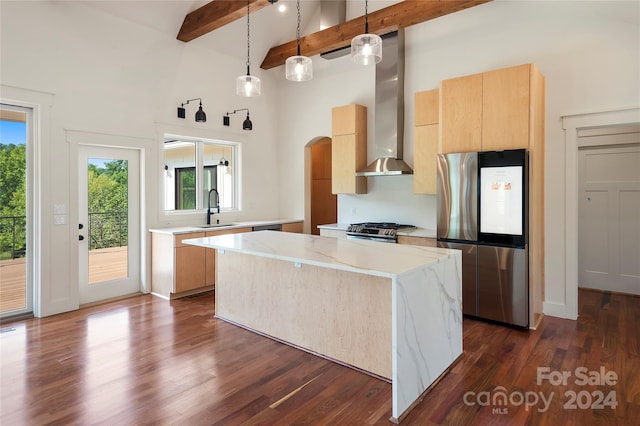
{"x": 217, "y": 167}
{"x": 179, "y": 175}
{"x": 186, "y": 187}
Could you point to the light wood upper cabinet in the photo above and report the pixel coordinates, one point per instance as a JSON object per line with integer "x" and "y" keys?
{"x": 425, "y": 141}
{"x": 461, "y": 114}
{"x": 426, "y": 109}
{"x": 489, "y": 111}
{"x": 348, "y": 149}
{"x": 506, "y": 108}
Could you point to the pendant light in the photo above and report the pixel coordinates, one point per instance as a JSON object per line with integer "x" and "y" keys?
{"x": 298, "y": 68}
{"x": 366, "y": 48}
{"x": 248, "y": 85}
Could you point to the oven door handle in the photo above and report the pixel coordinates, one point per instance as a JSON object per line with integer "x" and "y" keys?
{"x": 371, "y": 238}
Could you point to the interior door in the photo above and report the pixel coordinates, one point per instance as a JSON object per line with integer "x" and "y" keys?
{"x": 109, "y": 222}
{"x": 609, "y": 218}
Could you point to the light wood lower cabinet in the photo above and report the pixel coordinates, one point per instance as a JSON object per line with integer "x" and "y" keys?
{"x": 293, "y": 227}
{"x": 417, "y": 241}
{"x": 179, "y": 269}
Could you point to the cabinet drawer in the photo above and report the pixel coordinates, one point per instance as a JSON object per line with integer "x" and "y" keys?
{"x": 417, "y": 241}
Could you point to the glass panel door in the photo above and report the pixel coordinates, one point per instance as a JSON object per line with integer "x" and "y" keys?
{"x": 15, "y": 288}
{"x": 109, "y": 223}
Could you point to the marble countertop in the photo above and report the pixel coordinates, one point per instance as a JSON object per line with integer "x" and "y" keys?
{"x": 417, "y": 232}
{"x": 222, "y": 226}
{"x": 362, "y": 256}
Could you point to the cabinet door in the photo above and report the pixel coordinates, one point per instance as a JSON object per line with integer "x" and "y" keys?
{"x": 190, "y": 271}
{"x": 417, "y": 241}
{"x": 292, "y": 227}
{"x": 461, "y": 114}
{"x": 344, "y": 119}
{"x": 425, "y": 140}
{"x": 348, "y": 154}
{"x": 505, "y": 108}
{"x": 425, "y": 108}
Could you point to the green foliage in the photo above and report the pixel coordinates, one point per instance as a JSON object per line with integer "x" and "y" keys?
{"x": 13, "y": 199}
{"x": 108, "y": 204}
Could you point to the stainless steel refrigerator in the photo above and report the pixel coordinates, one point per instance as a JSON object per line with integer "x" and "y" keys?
{"x": 482, "y": 202}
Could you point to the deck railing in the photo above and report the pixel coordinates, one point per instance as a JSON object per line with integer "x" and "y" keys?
{"x": 106, "y": 229}
{"x": 13, "y": 237}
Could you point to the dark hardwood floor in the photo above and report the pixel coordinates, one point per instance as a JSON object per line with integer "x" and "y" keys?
{"x": 145, "y": 360}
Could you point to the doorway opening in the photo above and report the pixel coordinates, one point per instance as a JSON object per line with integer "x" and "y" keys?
{"x": 321, "y": 205}
{"x": 609, "y": 209}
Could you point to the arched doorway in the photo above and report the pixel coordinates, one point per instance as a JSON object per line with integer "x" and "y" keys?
{"x": 321, "y": 206}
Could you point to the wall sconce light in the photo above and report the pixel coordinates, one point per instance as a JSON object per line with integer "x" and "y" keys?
{"x": 246, "y": 124}
{"x": 201, "y": 117}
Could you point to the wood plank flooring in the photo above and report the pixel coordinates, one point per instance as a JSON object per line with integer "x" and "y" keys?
{"x": 145, "y": 360}
{"x": 104, "y": 265}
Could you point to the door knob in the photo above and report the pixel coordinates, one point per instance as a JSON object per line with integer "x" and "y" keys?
{"x": 81, "y": 237}
{"x": 80, "y": 226}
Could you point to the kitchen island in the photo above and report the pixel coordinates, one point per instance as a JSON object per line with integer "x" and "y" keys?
{"x": 390, "y": 310}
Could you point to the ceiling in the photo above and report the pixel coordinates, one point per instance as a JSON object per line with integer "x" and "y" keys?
{"x": 269, "y": 27}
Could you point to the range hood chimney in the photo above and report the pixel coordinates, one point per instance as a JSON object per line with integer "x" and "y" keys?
{"x": 389, "y": 110}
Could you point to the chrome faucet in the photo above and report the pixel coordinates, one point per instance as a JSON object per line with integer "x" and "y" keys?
{"x": 209, "y": 205}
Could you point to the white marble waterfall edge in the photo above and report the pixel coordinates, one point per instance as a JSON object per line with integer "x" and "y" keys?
{"x": 426, "y": 327}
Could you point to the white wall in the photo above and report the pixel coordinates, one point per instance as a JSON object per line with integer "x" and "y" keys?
{"x": 589, "y": 52}
{"x": 112, "y": 76}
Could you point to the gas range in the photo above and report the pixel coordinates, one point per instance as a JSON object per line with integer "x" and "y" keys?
{"x": 377, "y": 231}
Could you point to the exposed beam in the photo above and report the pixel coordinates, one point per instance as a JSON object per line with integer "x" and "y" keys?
{"x": 383, "y": 21}
{"x": 214, "y": 15}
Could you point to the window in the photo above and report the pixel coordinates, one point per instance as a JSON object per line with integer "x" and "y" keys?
{"x": 193, "y": 167}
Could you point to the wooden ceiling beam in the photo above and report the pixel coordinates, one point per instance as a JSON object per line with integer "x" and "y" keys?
{"x": 383, "y": 21}
{"x": 214, "y": 15}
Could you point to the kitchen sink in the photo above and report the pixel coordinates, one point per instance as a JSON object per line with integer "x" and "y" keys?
{"x": 214, "y": 225}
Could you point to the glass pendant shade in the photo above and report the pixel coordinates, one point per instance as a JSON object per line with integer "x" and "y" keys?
{"x": 299, "y": 68}
{"x": 248, "y": 85}
{"x": 366, "y": 49}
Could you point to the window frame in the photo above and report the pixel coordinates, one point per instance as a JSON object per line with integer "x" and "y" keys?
{"x": 199, "y": 143}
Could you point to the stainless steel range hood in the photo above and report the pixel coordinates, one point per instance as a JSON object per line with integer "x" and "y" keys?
{"x": 389, "y": 110}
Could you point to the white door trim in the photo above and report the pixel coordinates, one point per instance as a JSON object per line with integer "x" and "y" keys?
{"x": 38, "y": 260}
{"x": 568, "y": 308}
